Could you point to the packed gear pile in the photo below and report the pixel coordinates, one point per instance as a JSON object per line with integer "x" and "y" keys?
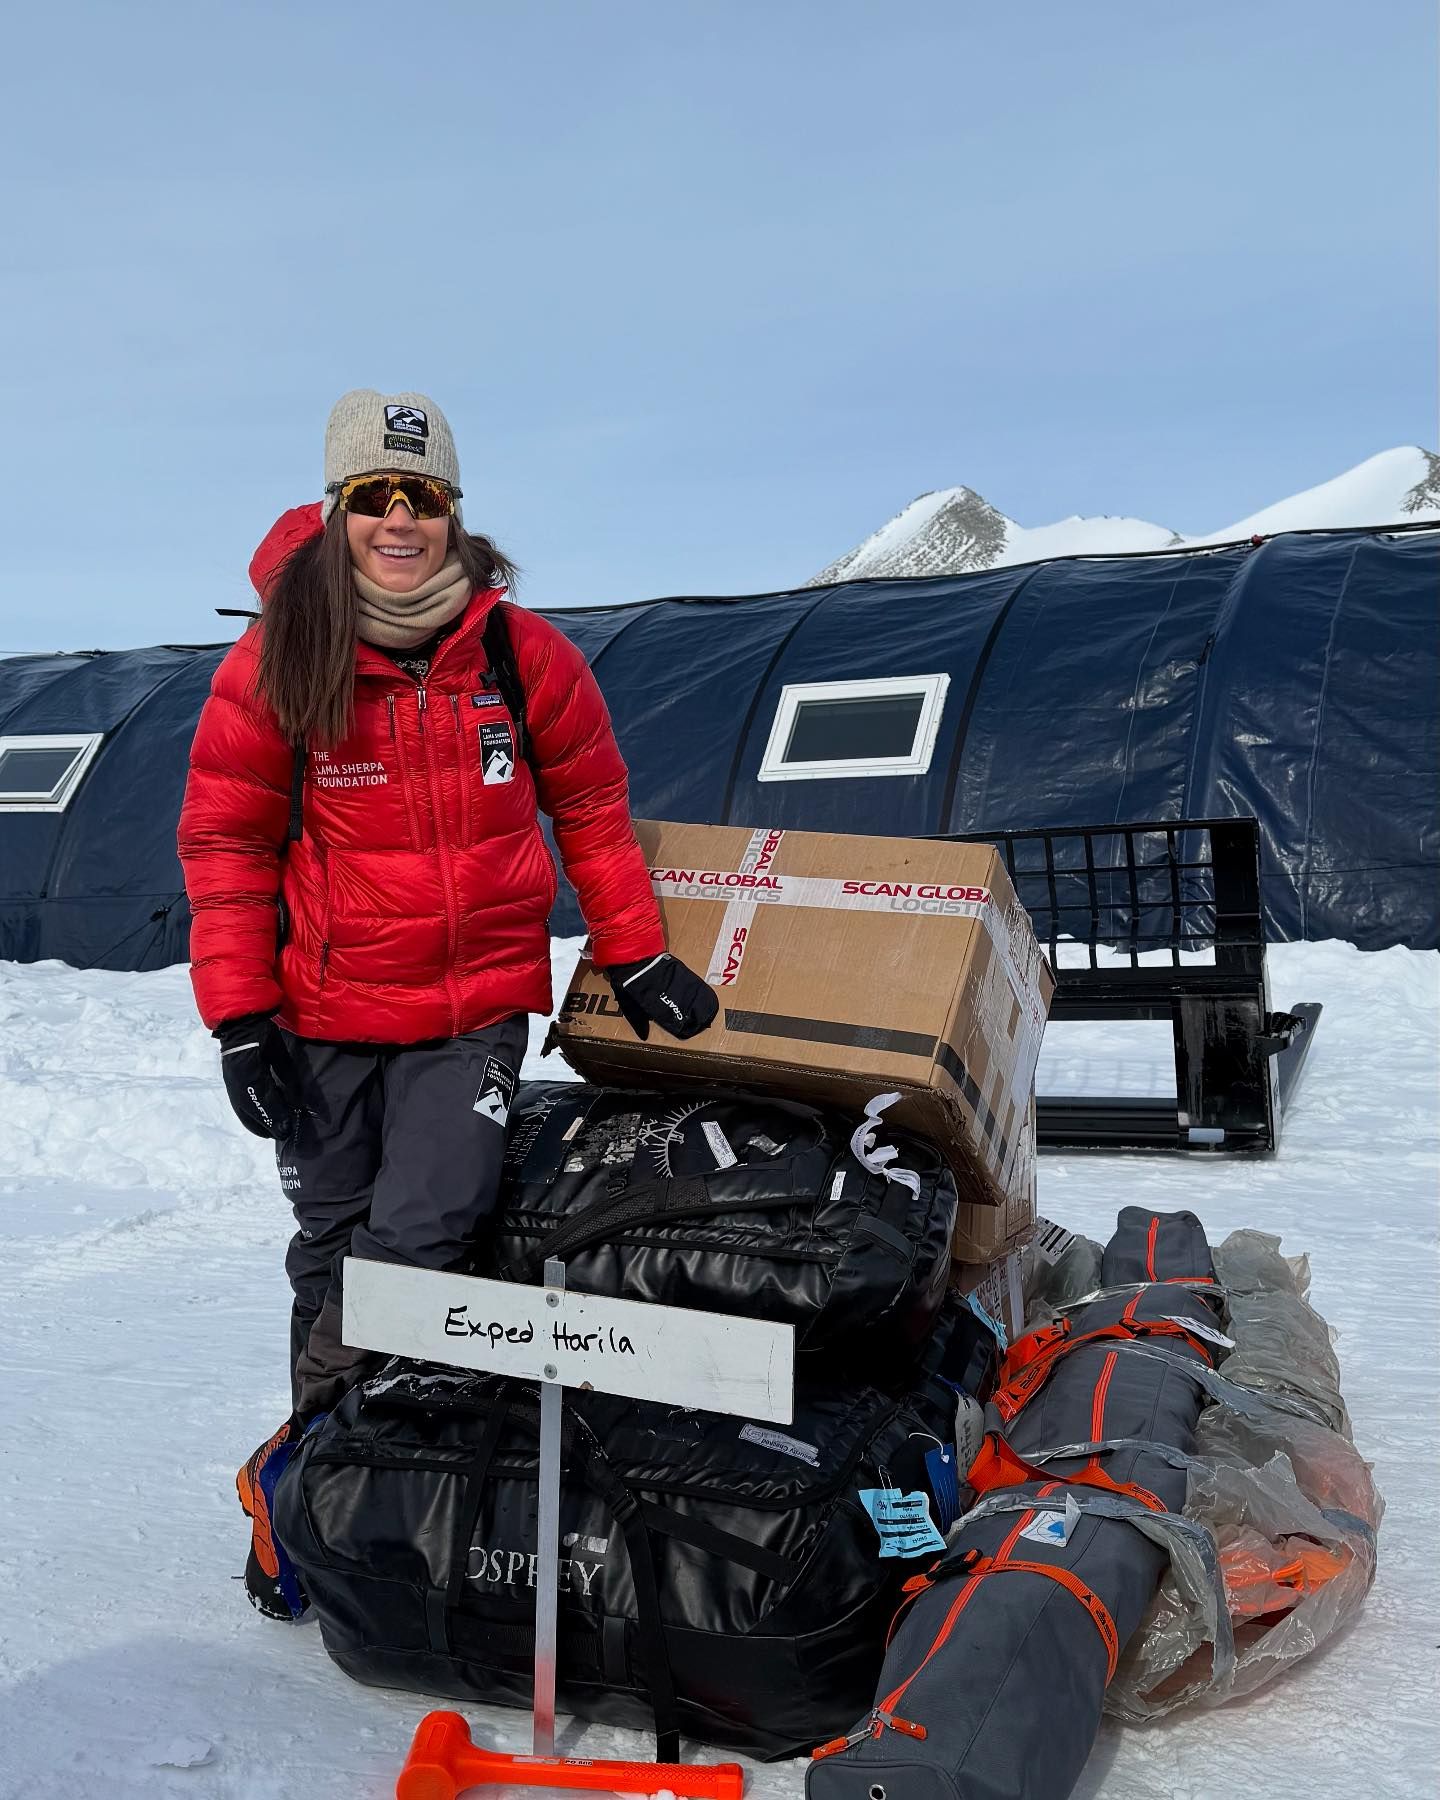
{"x": 1159, "y": 1502}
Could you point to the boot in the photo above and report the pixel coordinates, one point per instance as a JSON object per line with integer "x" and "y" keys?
{"x": 271, "y": 1580}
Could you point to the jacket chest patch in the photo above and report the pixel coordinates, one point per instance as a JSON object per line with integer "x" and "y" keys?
{"x": 326, "y": 772}
{"x": 497, "y": 753}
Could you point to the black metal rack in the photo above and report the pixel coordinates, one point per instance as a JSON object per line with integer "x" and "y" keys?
{"x": 1162, "y": 920}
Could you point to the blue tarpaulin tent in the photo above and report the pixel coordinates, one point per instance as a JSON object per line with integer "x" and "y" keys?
{"x": 1297, "y": 679}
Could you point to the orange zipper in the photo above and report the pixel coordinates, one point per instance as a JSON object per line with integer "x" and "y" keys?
{"x": 884, "y": 1713}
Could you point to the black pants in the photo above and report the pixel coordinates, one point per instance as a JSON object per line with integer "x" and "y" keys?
{"x": 397, "y": 1159}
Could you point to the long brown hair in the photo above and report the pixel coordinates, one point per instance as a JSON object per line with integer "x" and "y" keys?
{"x": 307, "y": 645}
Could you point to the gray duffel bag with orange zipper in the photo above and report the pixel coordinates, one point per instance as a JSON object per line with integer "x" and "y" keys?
{"x": 996, "y": 1669}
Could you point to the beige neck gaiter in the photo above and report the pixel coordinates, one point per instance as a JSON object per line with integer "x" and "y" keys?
{"x": 401, "y": 621}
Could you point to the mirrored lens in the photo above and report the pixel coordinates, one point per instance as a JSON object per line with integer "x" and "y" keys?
{"x": 370, "y": 498}
{"x": 428, "y": 498}
{"x": 374, "y": 495}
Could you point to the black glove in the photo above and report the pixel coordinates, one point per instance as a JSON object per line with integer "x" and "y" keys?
{"x": 662, "y": 989}
{"x": 260, "y": 1077}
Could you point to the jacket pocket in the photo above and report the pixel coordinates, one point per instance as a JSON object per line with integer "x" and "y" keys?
{"x": 552, "y": 874}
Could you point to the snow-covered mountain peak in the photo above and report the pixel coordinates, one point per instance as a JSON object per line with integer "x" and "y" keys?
{"x": 955, "y": 530}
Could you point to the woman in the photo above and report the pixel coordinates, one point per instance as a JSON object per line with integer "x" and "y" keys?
{"x": 370, "y": 886}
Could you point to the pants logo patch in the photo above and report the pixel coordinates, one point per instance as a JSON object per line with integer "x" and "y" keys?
{"x": 497, "y": 1090}
{"x": 497, "y": 753}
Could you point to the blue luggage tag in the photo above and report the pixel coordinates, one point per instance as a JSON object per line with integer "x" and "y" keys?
{"x": 992, "y": 1325}
{"x": 902, "y": 1520}
{"x": 941, "y": 1465}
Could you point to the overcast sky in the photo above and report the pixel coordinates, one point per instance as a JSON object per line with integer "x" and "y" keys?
{"x": 708, "y": 291}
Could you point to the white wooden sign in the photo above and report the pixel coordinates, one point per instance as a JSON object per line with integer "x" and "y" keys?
{"x": 667, "y": 1353}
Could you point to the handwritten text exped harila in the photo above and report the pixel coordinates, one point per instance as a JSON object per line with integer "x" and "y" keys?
{"x": 606, "y": 1341}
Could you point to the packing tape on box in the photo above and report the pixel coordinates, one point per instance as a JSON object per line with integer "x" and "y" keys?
{"x": 757, "y": 883}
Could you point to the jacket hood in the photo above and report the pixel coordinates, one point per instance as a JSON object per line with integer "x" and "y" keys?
{"x": 285, "y": 536}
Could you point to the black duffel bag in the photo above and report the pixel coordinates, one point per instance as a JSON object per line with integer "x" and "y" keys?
{"x": 730, "y": 1202}
{"x": 717, "y": 1578}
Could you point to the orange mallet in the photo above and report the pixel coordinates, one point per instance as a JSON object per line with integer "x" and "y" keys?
{"x": 443, "y": 1762}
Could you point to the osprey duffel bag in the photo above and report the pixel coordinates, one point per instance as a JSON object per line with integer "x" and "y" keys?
{"x": 717, "y": 1577}
{"x": 735, "y": 1203}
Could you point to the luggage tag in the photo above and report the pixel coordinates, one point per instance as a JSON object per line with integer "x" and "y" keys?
{"x": 942, "y": 1468}
{"x": 902, "y": 1520}
{"x": 993, "y": 1325}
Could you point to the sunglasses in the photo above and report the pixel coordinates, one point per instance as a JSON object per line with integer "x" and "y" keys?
{"x": 372, "y": 496}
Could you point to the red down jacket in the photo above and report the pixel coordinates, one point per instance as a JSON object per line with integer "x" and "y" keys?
{"x": 418, "y": 894}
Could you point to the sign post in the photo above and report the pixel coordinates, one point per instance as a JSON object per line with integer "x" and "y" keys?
{"x": 559, "y": 1338}
{"x": 547, "y": 1570}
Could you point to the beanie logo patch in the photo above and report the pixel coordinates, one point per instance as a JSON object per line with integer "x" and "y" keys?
{"x": 408, "y": 419}
{"x": 406, "y": 428}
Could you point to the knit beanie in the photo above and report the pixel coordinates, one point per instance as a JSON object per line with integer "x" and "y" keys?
{"x": 369, "y": 431}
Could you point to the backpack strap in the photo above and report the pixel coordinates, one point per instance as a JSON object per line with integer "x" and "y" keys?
{"x": 500, "y": 653}
{"x": 294, "y": 831}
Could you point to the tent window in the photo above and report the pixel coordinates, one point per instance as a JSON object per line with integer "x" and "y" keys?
{"x": 41, "y": 774}
{"x": 824, "y": 729}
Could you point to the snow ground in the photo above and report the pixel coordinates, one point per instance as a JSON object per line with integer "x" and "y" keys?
{"x": 144, "y": 1309}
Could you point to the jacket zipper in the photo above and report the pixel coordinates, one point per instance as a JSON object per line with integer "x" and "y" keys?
{"x": 323, "y": 859}
{"x": 397, "y": 738}
{"x": 461, "y": 764}
{"x": 447, "y": 867}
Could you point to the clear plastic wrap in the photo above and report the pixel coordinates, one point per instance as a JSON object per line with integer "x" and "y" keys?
{"x": 1288, "y": 1501}
{"x": 1057, "y": 1268}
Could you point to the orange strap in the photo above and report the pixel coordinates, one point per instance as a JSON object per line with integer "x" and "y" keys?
{"x": 1099, "y": 1612}
{"x": 1000, "y": 1465}
{"x": 1025, "y": 1349}
{"x": 1020, "y": 1388}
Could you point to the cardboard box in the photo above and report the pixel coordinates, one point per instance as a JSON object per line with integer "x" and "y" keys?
{"x": 847, "y": 967}
{"x": 998, "y": 1288}
{"x": 983, "y": 1233}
